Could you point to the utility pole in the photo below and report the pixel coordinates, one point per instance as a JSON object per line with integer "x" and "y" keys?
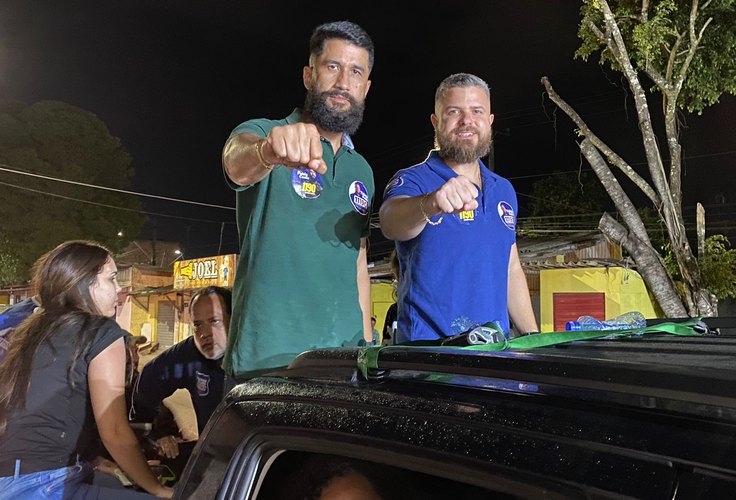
{"x": 153, "y": 244}
{"x": 700, "y": 229}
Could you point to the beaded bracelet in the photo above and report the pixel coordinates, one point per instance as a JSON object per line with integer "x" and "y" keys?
{"x": 424, "y": 214}
{"x": 259, "y": 154}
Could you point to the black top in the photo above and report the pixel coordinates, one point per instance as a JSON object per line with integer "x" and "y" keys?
{"x": 391, "y": 315}
{"x": 46, "y": 434}
{"x": 181, "y": 366}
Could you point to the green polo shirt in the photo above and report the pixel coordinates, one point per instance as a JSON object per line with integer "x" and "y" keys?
{"x": 295, "y": 286}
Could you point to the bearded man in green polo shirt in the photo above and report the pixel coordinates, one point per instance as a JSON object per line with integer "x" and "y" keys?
{"x": 304, "y": 197}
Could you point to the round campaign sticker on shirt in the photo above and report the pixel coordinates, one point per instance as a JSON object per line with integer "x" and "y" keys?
{"x": 359, "y": 197}
{"x": 306, "y": 183}
{"x": 506, "y": 213}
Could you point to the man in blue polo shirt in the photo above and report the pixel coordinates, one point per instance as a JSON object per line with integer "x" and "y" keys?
{"x": 454, "y": 223}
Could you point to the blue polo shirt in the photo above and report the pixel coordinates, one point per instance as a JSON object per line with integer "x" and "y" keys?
{"x": 454, "y": 276}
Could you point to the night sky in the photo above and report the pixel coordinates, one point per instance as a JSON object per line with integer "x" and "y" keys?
{"x": 171, "y": 79}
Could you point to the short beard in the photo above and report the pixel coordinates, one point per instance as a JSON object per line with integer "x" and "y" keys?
{"x": 330, "y": 119}
{"x": 454, "y": 152}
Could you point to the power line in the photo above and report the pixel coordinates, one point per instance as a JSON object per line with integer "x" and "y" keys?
{"x": 38, "y": 191}
{"x": 4, "y": 168}
{"x": 589, "y": 169}
{"x": 374, "y": 223}
{"x": 411, "y": 144}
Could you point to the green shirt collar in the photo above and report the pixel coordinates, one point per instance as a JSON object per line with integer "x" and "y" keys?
{"x": 297, "y": 116}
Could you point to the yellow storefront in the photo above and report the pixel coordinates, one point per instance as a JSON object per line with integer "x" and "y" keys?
{"x": 601, "y": 292}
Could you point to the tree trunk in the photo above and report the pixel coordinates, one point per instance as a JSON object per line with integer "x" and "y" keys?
{"x": 701, "y": 302}
{"x": 649, "y": 265}
{"x": 622, "y": 202}
{"x": 665, "y": 191}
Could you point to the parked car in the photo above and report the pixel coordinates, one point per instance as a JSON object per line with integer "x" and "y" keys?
{"x": 651, "y": 416}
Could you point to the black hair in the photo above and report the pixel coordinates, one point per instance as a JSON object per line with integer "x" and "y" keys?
{"x": 342, "y": 30}
{"x": 225, "y": 294}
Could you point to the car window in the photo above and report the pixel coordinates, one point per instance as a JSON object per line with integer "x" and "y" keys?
{"x": 312, "y": 475}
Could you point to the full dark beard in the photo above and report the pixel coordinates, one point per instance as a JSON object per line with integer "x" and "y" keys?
{"x": 456, "y": 152}
{"x": 330, "y": 119}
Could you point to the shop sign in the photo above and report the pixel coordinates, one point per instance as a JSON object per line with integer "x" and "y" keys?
{"x": 208, "y": 271}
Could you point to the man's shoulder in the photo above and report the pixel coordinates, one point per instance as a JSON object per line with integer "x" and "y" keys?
{"x": 414, "y": 171}
{"x": 259, "y": 126}
{"x": 16, "y": 313}
{"x": 402, "y": 181}
{"x": 430, "y": 163}
{"x": 360, "y": 166}
{"x": 25, "y": 303}
{"x": 501, "y": 181}
{"x": 176, "y": 352}
{"x": 262, "y": 126}
{"x": 356, "y": 155}
{"x": 497, "y": 176}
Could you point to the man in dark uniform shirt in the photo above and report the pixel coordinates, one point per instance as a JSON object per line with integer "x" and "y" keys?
{"x": 11, "y": 318}
{"x": 193, "y": 364}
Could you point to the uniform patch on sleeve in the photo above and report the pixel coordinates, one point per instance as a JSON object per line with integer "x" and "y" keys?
{"x": 395, "y": 182}
{"x": 203, "y": 384}
{"x": 506, "y": 213}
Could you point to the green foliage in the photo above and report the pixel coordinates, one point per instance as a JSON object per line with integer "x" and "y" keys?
{"x": 565, "y": 202}
{"x": 11, "y": 271}
{"x": 648, "y": 36}
{"x": 564, "y": 194}
{"x": 712, "y": 71}
{"x": 62, "y": 141}
{"x": 718, "y": 266}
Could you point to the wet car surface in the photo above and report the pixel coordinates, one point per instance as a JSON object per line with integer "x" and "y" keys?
{"x": 651, "y": 416}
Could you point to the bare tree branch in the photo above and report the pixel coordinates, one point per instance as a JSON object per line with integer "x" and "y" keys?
{"x": 649, "y": 265}
{"x": 644, "y": 11}
{"x": 690, "y": 55}
{"x": 694, "y": 42}
{"x": 693, "y": 17}
{"x": 656, "y": 77}
{"x": 654, "y": 159}
{"x": 615, "y": 191}
{"x": 597, "y": 31}
{"x": 664, "y": 188}
{"x": 673, "y": 57}
{"x": 612, "y": 157}
{"x": 672, "y": 130}
{"x": 673, "y": 144}
{"x": 618, "y": 49}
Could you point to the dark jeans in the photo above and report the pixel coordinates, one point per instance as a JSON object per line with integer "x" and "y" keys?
{"x": 66, "y": 483}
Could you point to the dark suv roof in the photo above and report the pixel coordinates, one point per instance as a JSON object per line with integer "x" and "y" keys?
{"x": 644, "y": 417}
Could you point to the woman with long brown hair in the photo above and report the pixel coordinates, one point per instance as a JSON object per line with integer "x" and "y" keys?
{"x": 65, "y": 367}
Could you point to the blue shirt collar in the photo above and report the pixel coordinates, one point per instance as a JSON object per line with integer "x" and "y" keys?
{"x": 438, "y": 165}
